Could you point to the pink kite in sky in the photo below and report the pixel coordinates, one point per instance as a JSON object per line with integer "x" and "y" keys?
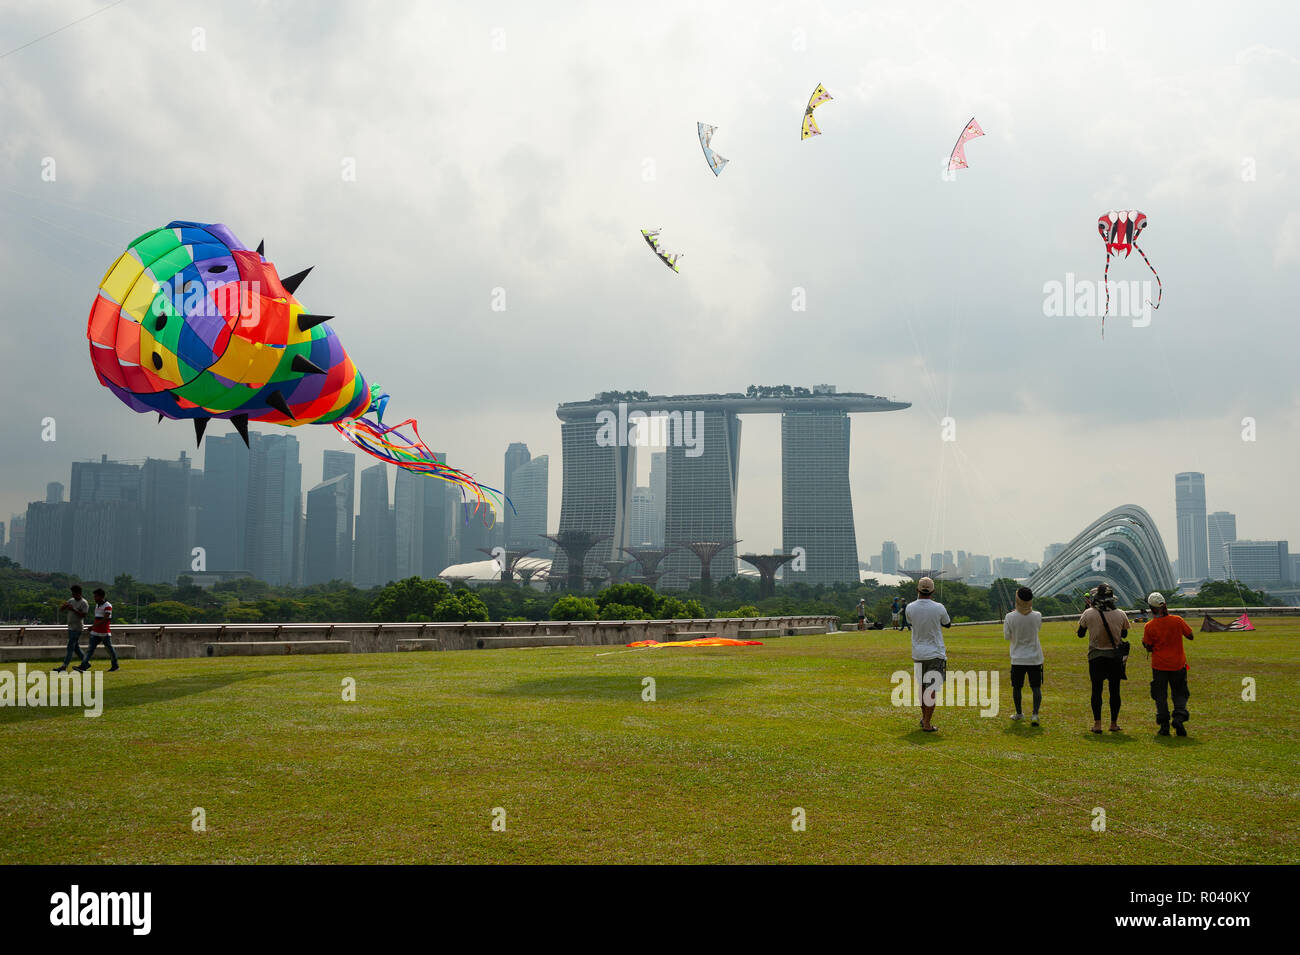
{"x": 957, "y": 158}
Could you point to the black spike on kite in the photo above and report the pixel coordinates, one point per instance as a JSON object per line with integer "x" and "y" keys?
{"x": 160, "y": 417}
{"x": 199, "y": 425}
{"x": 261, "y": 247}
{"x": 307, "y": 321}
{"x": 292, "y": 282}
{"x": 240, "y": 421}
{"x": 305, "y": 366}
{"x": 276, "y": 401}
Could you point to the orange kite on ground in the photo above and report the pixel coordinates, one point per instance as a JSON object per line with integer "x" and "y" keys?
{"x": 699, "y": 642}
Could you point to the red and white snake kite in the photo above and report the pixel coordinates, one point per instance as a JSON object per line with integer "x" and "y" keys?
{"x": 1120, "y": 231}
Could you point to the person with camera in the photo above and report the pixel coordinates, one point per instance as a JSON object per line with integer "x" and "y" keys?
{"x": 1106, "y": 628}
{"x": 1163, "y": 637}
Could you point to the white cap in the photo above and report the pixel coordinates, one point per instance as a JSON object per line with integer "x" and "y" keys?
{"x": 1156, "y": 599}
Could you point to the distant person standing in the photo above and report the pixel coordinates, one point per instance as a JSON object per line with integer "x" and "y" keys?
{"x": 893, "y": 610}
{"x": 927, "y": 617}
{"x": 101, "y": 631}
{"x": 1163, "y": 638}
{"x": 1020, "y": 628}
{"x": 1106, "y": 629}
{"x": 862, "y": 613}
{"x": 76, "y": 609}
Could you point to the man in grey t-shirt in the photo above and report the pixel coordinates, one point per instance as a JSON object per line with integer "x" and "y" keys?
{"x": 76, "y": 607}
{"x": 927, "y": 617}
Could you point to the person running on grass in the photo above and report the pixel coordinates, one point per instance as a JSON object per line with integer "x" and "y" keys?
{"x": 926, "y": 617}
{"x": 1105, "y": 627}
{"x": 101, "y": 631}
{"x": 76, "y": 608}
{"x": 1020, "y": 628}
{"x": 1162, "y": 637}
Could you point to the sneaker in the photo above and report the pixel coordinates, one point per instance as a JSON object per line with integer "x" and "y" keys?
{"x": 62, "y": 669}
{"x": 83, "y": 668}
{"x": 113, "y": 667}
{"x": 1033, "y": 720}
{"x": 1164, "y": 730}
{"x": 1178, "y": 728}
{"x": 1018, "y": 716}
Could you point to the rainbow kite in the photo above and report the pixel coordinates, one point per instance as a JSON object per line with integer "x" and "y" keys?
{"x": 191, "y": 323}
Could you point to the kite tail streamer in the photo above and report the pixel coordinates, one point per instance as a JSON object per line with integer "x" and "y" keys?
{"x": 1160, "y": 293}
{"x": 1105, "y": 283}
{"x": 390, "y": 445}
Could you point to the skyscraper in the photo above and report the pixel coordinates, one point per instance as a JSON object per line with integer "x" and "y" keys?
{"x": 437, "y": 502}
{"x": 329, "y": 529}
{"x": 597, "y": 493}
{"x": 375, "y": 547}
{"x": 642, "y": 521}
{"x": 658, "y": 495}
{"x": 1193, "y": 545}
{"x": 530, "y": 491}
{"x": 334, "y": 464}
{"x": 1258, "y": 563}
{"x": 223, "y": 508}
{"x": 889, "y": 562}
{"x": 1221, "y": 528}
{"x": 54, "y": 493}
{"x": 517, "y": 454}
{"x": 701, "y": 503}
{"x": 816, "y": 504}
{"x": 164, "y": 534}
{"x": 416, "y": 513}
{"x": 107, "y": 519}
{"x": 274, "y": 508}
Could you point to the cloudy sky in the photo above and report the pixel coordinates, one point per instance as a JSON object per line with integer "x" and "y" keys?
{"x": 521, "y": 146}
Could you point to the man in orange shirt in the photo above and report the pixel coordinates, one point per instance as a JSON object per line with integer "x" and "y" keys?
{"x": 1163, "y": 639}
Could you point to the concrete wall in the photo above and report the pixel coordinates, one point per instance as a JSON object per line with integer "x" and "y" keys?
{"x": 188, "y": 640}
{"x": 1188, "y": 613}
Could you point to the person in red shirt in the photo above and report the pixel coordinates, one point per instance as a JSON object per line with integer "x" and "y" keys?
{"x": 101, "y": 631}
{"x": 1163, "y": 639}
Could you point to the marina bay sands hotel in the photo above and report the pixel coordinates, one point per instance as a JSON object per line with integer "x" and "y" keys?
{"x": 701, "y": 435}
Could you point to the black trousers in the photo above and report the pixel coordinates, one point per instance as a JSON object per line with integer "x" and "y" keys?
{"x": 1176, "y": 682}
{"x": 1105, "y": 671}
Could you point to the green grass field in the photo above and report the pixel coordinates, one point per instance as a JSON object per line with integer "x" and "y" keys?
{"x": 587, "y": 771}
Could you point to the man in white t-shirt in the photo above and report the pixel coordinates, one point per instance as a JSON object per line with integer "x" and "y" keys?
{"x": 927, "y": 618}
{"x": 1020, "y": 628}
{"x": 75, "y": 607}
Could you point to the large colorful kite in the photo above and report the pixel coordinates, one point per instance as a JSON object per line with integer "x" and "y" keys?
{"x": 957, "y": 158}
{"x": 716, "y": 162}
{"x": 191, "y": 323}
{"x": 1120, "y": 231}
{"x": 669, "y": 259}
{"x": 818, "y": 97}
{"x": 697, "y": 642}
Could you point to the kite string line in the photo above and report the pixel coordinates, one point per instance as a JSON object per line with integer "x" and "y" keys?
{"x": 61, "y": 29}
{"x": 1015, "y": 782}
{"x": 1160, "y": 287}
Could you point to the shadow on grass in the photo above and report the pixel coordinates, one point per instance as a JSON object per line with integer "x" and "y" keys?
{"x": 1175, "y": 742}
{"x": 139, "y": 694}
{"x": 1018, "y": 728}
{"x": 1106, "y": 736}
{"x": 620, "y": 687}
{"x": 919, "y": 737}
